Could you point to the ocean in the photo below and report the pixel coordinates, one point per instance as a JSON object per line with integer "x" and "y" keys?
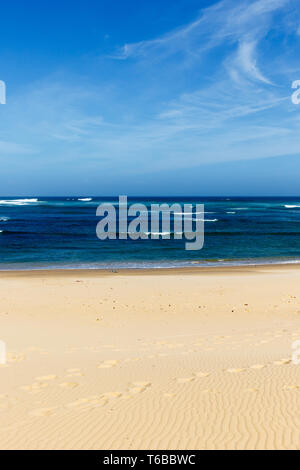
{"x": 60, "y": 233}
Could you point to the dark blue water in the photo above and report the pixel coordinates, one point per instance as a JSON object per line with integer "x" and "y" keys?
{"x": 61, "y": 233}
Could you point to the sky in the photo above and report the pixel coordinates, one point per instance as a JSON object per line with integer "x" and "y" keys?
{"x": 184, "y": 97}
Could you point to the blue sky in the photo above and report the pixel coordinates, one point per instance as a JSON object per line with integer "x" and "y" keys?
{"x": 151, "y": 97}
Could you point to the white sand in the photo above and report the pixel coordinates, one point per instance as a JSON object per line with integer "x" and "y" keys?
{"x": 172, "y": 360}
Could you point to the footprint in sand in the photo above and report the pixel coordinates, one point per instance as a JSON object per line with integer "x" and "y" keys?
{"x": 132, "y": 359}
{"x": 34, "y": 388}
{"x": 142, "y": 384}
{"x": 282, "y": 362}
{"x": 42, "y": 412}
{"x": 291, "y": 387}
{"x": 47, "y": 377}
{"x": 68, "y": 385}
{"x": 202, "y": 374}
{"x": 108, "y": 364}
{"x": 88, "y": 403}
{"x": 112, "y": 395}
{"x": 136, "y": 390}
{"x": 16, "y": 357}
{"x": 78, "y": 403}
{"x": 235, "y": 371}
{"x": 139, "y": 387}
{"x": 184, "y": 380}
{"x": 95, "y": 401}
{"x": 252, "y": 390}
{"x": 258, "y": 366}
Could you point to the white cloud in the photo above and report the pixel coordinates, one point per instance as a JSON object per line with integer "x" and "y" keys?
{"x": 244, "y": 64}
{"x": 227, "y": 20}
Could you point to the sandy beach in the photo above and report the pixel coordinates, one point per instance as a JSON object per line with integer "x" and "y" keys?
{"x": 169, "y": 359}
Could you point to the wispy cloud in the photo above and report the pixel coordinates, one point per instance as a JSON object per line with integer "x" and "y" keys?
{"x": 245, "y": 64}
{"x": 227, "y": 20}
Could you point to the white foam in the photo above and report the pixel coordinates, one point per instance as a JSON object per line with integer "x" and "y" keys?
{"x": 191, "y": 213}
{"x": 85, "y": 199}
{"x": 205, "y": 220}
{"x": 291, "y": 207}
{"x": 18, "y": 202}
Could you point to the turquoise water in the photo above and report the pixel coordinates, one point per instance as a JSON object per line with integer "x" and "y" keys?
{"x": 42, "y": 232}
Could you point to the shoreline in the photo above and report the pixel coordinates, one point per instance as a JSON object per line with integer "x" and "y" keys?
{"x": 98, "y": 272}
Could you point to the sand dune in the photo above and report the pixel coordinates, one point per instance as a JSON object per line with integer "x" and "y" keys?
{"x": 191, "y": 359}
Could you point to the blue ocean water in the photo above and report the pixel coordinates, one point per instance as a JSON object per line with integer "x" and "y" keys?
{"x": 37, "y": 233}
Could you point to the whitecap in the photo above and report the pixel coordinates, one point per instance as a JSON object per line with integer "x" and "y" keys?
{"x": 191, "y": 213}
{"x": 204, "y": 220}
{"x": 85, "y": 199}
{"x": 18, "y": 202}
